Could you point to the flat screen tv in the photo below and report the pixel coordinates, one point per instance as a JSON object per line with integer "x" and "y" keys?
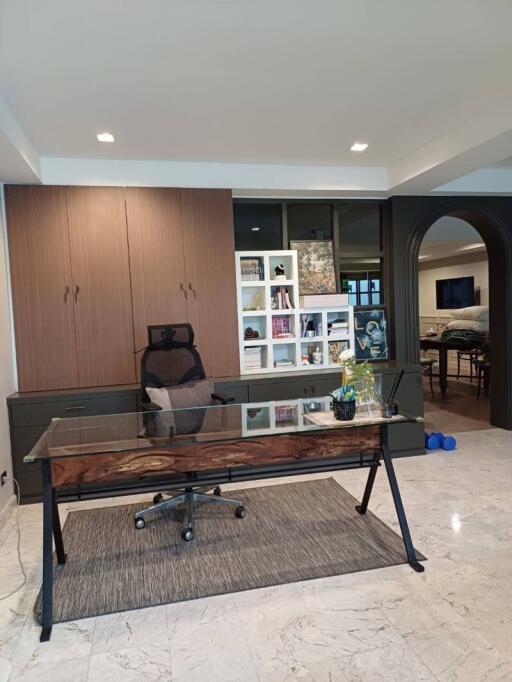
{"x": 458, "y": 292}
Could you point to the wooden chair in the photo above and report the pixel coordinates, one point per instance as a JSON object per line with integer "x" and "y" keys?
{"x": 427, "y": 365}
{"x": 471, "y": 356}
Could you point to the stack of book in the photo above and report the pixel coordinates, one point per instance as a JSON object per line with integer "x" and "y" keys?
{"x": 338, "y": 329}
{"x": 253, "y": 357}
{"x": 251, "y": 269}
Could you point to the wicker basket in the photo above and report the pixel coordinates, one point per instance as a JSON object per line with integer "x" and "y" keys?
{"x": 344, "y": 410}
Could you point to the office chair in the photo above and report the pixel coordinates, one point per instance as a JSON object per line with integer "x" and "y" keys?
{"x": 171, "y": 359}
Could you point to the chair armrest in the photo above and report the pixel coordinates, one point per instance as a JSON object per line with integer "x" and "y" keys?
{"x": 150, "y": 407}
{"x": 222, "y": 399}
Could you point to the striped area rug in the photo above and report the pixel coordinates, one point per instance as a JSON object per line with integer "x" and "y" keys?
{"x": 292, "y": 532}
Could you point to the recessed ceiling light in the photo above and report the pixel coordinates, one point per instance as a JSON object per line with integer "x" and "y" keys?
{"x": 255, "y": 229}
{"x": 359, "y": 147}
{"x": 423, "y": 256}
{"x": 105, "y": 137}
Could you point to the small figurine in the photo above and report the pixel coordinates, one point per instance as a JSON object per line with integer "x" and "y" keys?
{"x": 279, "y": 272}
{"x": 251, "y": 333}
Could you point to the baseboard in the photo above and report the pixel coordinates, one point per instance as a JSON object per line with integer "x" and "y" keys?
{"x": 408, "y": 453}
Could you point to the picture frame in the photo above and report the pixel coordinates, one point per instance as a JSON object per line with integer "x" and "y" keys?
{"x": 371, "y": 334}
{"x": 315, "y": 265}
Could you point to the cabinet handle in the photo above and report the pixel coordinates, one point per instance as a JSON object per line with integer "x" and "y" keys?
{"x": 306, "y": 390}
{"x": 182, "y": 287}
{"x": 192, "y": 289}
{"x": 66, "y": 293}
{"x": 312, "y": 389}
{"x": 74, "y": 408}
{"x": 77, "y": 291}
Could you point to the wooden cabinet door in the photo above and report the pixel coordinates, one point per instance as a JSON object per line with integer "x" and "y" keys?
{"x": 101, "y": 285}
{"x": 41, "y": 279}
{"x": 208, "y": 236}
{"x": 157, "y": 268}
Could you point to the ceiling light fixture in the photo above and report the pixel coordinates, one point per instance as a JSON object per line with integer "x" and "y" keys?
{"x": 255, "y": 229}
{"x": 359, "y": 147}
{"x": 105, "y": 137}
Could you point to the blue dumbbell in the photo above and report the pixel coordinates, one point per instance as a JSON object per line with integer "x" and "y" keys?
{"x": 448, "y": 443}
{"x": 432, "y": 441}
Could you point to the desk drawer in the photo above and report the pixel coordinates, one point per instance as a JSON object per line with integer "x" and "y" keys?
{"x": 41, "y": 414}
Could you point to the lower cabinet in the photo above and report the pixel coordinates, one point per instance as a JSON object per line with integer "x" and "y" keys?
{"x": 30, "y": 414}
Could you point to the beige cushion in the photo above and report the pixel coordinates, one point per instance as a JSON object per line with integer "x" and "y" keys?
{"x": 478, "y": 313}
{"x": 160, "y": 397}
{"x": 471, "y": 325}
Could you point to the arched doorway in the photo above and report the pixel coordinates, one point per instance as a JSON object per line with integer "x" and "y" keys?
{"x": 410, "y": 218}
{"x": 453, "y": 289}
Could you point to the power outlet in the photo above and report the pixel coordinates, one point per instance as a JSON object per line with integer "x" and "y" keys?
{"x": 3, "y": 477}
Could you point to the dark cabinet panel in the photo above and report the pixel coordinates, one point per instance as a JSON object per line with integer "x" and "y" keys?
{"x": 101, "y": 291}
{"x": 41, "y": 278}
{"x": 41, "y": 414}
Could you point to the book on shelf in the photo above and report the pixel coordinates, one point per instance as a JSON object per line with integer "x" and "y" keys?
{"x": 251, "y": 269}
{"x": 282, "y": 299}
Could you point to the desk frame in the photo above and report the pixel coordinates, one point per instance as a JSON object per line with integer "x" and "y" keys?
{"x": 52, "y": 531}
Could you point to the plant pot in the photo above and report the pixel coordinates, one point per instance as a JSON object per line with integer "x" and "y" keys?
{"x": 344, "y": 410}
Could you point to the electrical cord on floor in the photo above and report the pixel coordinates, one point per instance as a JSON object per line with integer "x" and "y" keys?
{"x": 16, "y": 527}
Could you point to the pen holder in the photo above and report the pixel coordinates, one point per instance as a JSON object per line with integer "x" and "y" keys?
{"x": 388, "y": 410}
{"x": 344, "y": 410}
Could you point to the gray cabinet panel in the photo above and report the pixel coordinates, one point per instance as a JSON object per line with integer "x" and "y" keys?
{"x": 286, "y": 390}
{"x": 33, "y": 414}
{"x": 322, "y": 387}
{"x": 239, "y": 393}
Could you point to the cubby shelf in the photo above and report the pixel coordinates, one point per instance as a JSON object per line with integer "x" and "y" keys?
{"x": 262, "y": 264}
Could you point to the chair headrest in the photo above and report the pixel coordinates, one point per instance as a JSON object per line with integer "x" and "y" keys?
{"x": 167, "y": 336}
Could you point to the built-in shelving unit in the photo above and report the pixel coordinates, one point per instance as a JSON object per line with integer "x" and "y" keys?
{"x": 274, "y": 337}
{"x": 261, "y": 419}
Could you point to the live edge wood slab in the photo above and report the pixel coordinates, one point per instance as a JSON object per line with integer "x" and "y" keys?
{"x": 193, "y": 457}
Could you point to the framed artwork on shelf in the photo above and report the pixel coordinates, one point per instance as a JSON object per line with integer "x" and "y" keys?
{"x": 371, "y": 334}
{"x": 315, "y": 264}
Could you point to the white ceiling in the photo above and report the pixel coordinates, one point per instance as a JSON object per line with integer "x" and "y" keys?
{"x": 288, "y": 82}
{"x": 451, "y": 238}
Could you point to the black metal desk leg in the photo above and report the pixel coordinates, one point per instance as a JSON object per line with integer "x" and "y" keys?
{"x": 400, "y": 512}
{"x": 47, "y": 614}
{"x": 361, "y": 508}
{"x": 57, "y": 531}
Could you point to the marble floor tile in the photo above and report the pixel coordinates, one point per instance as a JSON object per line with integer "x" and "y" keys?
{"x": 129, "y": 628}
{"x": 148, "y": 662}
{"x": 75, "y": 669}
{"x": 452, "y": 623}
{"x": 207, "y": 642}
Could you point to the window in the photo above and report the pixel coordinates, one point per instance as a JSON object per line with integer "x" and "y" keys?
{"x": 364, "y": 288}
{"x": 258, "y": 227}
{"x": 309, "y": 221}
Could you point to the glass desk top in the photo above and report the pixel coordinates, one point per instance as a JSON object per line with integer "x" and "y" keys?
{"x": 129, "y": 432}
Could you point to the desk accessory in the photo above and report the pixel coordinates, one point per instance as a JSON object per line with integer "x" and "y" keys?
{"x": 343, "y": 402}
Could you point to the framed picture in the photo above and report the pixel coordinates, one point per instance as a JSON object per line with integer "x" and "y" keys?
{"x": 371, "y": 334}
{"x": 315, "y": 260}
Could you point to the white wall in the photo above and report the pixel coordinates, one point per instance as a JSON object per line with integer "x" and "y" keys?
{"x": 7, "y": 380}
{"x": 427, "y": 282}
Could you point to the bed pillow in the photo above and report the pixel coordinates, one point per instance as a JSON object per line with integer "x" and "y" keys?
{"x": 478, "y": 313}
{"x": 471, "y": 325}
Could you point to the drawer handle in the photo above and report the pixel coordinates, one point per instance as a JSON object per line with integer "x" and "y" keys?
{"x": 75, "y": 408}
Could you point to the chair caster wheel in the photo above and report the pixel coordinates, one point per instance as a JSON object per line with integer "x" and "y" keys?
{"x": 217, "y": 491}
{"x": 139, "y": 522}
{"x": 158, "y": 498}
{"x": 240, "y": 512}
{"x": 187, "y": 534}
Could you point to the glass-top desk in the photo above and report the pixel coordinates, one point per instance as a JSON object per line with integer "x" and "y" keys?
{"x": 206, "y": 447}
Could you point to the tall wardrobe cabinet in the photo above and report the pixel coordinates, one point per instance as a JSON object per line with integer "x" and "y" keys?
{"x": 182, "y": 268}
{"x": 71, "y": 286}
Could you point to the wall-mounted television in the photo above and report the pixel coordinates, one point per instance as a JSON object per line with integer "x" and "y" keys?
{"x": 457, "y": 292}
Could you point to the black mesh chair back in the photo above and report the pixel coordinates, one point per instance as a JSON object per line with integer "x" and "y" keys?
{"x": 170, "y": 358}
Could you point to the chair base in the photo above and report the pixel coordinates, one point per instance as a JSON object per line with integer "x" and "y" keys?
{"x": 188, "y": 497}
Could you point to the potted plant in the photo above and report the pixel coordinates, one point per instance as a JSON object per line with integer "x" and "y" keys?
{"x": 361, "y": 376}
{"x": 343, "y": 402}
